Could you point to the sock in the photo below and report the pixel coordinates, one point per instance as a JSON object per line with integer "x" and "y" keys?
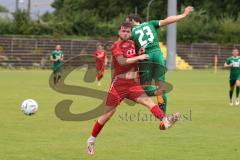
{"x": 55, "y": 79}
{"x": 237, "y": 91}
{"x": 58, "y": 79}
{"x": 99, "y": 77}
{"x": 160, "y": 99}
{"x": 96, "y": 129}
{"x": 162, "y": 102}
{"x": 91, "y": 139}
{"x": 230, "y": 94}
{"x": 157, "y": 112}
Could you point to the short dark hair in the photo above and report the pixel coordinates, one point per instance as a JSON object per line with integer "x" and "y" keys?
{"x": 126, "y": 25}
{"x": 135, "y": 17}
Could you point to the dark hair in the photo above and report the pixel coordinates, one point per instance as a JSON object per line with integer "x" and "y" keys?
{"x": 126, "y": 25}
{"x": 135, "y": 17}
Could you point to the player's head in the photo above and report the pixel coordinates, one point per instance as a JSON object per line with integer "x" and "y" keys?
{"x": 99, "y": 46}
{"x": 134, "y": 19}
{"x": 235, "y": 52}
{"x": 58, "y": 47}
{"x": 124, "y": 31}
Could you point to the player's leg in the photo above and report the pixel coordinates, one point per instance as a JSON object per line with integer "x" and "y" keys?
{"x": 55, "y": 75}
{"x": 159, "y": 77}
{"x": 232, "y": 85}
{"x": 237, "y": 92}
{"x": 138, "y": 95}
{"x": 55, "y": 79}
{"x": 113, "y": 100}
{"x": 59, "y": 76}
{"x": 101, "y": 121}
{"x": 100, "y": 70}
{"x": 166, "y": 120}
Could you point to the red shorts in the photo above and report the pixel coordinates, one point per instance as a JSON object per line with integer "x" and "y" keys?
{"x": 100, "y": 66}
{"x": 123, "y": 88}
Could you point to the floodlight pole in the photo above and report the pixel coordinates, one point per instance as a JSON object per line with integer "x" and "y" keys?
{"x": 17, "y": 5}
{"x": 29, "y": 7}
{"x": 171, "y": 36}
{"x": 148, "y": 7}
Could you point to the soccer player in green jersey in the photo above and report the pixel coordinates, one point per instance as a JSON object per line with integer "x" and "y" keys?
{"x": 57, "y": 58}
{"x": 145, "y": 36}
{"x": 233, "y": 63}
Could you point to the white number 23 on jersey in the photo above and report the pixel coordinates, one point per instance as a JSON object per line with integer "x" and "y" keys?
{"x": 145, "y": 31}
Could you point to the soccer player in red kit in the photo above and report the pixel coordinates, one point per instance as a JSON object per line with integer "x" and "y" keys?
{"x": 101, "y": 62}
{"x": 126, "y": 84}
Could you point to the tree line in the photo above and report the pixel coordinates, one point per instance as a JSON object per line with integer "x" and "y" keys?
{"x": 212, "y": 21}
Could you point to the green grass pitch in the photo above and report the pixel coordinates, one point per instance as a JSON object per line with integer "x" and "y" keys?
{"x": 209, "y": 130}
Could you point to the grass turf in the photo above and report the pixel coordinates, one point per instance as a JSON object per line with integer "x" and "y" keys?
{"x": 209, "y": 129}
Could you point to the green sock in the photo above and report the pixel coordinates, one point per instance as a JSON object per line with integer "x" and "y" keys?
{"x": 230, "y": 94}
{"x": 237, "y": 91}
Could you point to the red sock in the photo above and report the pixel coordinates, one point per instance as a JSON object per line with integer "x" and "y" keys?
{"x": 157, "y": 112}
{"x": 96, "y": 129}
{"x": 99, "y": 77}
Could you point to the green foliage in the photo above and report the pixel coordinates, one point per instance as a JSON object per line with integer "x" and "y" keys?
{"x": 3, "y": 9}
{"x": 22, "y": 22}
{"x": 212, "y": 21}
{"x": 199, "y": 27}
{"x": 6, "y": 26}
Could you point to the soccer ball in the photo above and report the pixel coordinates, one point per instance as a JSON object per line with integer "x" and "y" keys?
{"x": 29, "y": 107}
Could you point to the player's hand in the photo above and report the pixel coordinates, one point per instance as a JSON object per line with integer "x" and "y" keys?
{"x": 188, "y": 10}
{"x": 141, "y": 51}
{"x": 230, "y": 65}
{"x": 143, "y": 57}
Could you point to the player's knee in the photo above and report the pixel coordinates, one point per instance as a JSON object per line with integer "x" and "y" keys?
{"x": 238, "y": 83}
{"x": 146, "y": 101}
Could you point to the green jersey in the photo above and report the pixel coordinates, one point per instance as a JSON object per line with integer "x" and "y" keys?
{"x": 145, "y": 35}
{"x": 57, "y": 54}
{"x": 235, "y": 69}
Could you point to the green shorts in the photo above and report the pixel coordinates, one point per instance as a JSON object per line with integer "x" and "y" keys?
{"x": 153, "y": 68}
{"x": 57, "y": 69}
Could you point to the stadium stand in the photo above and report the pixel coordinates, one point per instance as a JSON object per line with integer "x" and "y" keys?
{"x": 27, "y": 52}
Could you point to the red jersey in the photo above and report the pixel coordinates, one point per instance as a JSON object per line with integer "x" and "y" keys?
{"x": 128, "y": 50}
{"x": 100, "y": 56}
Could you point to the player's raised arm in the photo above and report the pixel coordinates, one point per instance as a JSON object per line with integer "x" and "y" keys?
{"x": 173, "y": 19}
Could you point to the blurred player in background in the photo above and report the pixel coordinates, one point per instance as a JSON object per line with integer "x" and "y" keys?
{"x": 233, "y": 63}
{"x": 145, "y": 36}
{"x": 101, "y": 62}
{"x": 126, "y": 84}
{"x": 57, "y": 59}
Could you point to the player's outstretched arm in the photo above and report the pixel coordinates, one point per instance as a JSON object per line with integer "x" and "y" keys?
{"x": 173, "y": 19}
{"x": 124, "y": 61}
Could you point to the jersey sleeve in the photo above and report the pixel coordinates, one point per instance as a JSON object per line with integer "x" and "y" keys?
{"x": 228, "y": 61}
{"x": 116, "y": 51}
{"x": 105, "y": 53}
{"x": 53, "y": 55}
{"x": 155, "y": 23}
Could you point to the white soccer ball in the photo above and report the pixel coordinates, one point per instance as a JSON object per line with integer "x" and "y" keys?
{"x": 29, "y": 107}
